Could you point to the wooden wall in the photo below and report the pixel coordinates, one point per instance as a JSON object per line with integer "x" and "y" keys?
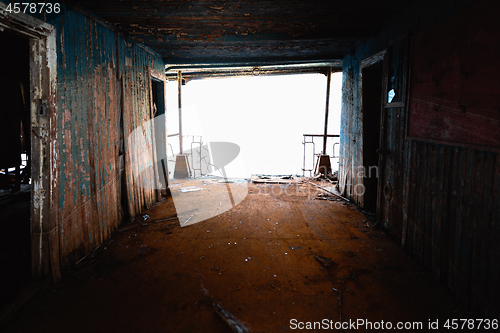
{"x": 99, "y": 90}
{"x": 443, "y": 204}
{"x": 104, "y": 93}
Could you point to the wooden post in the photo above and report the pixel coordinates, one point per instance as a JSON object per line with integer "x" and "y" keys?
{"x": 328, "y": 79}
{"x": 179, "y": 89}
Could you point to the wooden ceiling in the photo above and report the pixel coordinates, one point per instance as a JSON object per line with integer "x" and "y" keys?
{"x": 251, "y": 32}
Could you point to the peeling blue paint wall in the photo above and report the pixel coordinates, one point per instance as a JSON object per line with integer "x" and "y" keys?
{"x": 101, "y": 78}
{"x": 103, "y": 87}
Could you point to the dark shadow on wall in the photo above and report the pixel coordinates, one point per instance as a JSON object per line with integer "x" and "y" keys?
{"x": 15, "y": 170}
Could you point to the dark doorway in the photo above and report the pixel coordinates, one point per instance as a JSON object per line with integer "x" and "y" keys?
{"x": 158, "y": 106}
{"x": 158, "y": 96}
{"x": 371, "y": 110}
{"x": 15, "y": 165}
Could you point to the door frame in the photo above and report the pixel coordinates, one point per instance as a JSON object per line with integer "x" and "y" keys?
{"x": 44, "y": 221}
{"x": 367, "y": 62}
{"x": 386, "y": 189}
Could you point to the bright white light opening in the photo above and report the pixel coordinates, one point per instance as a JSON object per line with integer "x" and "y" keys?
{"x": 24, "y": 161}
{"x": 265, "y": 116}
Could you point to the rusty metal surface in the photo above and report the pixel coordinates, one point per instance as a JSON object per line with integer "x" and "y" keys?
{"x": 442, "y": 202}
{"x": 100, "y": 79}
{"x": 236, "y": 31}
{"x": 205, "y": 71}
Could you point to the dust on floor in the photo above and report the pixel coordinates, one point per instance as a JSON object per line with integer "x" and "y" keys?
{"x": 279, "y": 259}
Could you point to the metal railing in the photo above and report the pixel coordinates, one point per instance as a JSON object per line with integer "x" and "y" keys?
{"x": 305, "y": 142}
{"x": 197, "y": 155}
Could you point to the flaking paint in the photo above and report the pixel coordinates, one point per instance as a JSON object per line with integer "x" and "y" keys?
{"x": 84, "y": 205}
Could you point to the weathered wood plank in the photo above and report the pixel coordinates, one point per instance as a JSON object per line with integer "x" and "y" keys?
{"x": 445, "y": 219}
{"x": 476, "y": 214}
{"x": 464, "y": 219}
{"x": 428, "y": 198}
{"x": 420, "y": 219}
{"x": 85, "y": 194}
{"x": 437, "y": 204}
{"x": 494, "y": 251}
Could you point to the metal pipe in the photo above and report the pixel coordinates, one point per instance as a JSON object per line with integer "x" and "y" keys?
{"x": 328, "y": 79}
{"x": 313, "y": 155}
{"x": 322, "y": 135}
{"x": 179, "y": 89}
{"x": 199, "y": 143}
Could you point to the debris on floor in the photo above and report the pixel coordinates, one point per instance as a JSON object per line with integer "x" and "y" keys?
{"x": 276, "y": 256}
{"x": 330, "y": 190}
{"x": 230, "y": 320}
{"x": 166, "y": 219}
{"x": 190, "y": 189}
{"x": 331, "y": 177}
{"x": 225, "y": 181}
{"x": 268, "y": 179}
{"x": 327, "y": 262}
{"x": 325, "y": 197}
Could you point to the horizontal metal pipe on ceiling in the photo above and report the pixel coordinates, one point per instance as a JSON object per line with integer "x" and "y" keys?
{"x": 193, "y": 73}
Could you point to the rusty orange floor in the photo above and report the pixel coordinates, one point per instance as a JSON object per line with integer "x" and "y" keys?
{"x": 279, "y": 259}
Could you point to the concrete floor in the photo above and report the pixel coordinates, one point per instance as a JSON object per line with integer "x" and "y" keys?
{"x": 278, "y": 256}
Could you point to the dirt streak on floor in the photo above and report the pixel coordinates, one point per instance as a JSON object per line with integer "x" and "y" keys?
{"x": 281, "y": 254}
